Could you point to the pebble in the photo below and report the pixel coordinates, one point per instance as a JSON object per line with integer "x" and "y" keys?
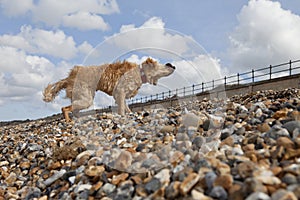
{"x": 258, "y": 195}
{"x": 244, "y": 147}
{"x": 291, "y": 126}
{"x": 224, "y": 181}
{"x": 188, "y": 183}
{"x": 55, "y": 177}
{"x": 218, "y": 192}
{"x": 282, "y": 194}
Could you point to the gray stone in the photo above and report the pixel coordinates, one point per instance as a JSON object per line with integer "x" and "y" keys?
{"x": 258, "y": 196}
{"x": 153, "y": 185}
{"x": 190, "y": 119}
{"x": 198, "y": 141}
{"x": 277, "y": 132}
{"x": 108, "y": 188}
{"x": 289, "y": 179}
{"x": 210, "y": 178}
{"x": 291, "y": 126}
{"x": 218, "y": 192}
{"x": 55, "y": 177}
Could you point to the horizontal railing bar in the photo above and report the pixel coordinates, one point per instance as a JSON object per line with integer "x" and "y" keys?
{"x": 238, "y": 79}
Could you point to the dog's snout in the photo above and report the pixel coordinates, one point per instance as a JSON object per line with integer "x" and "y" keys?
{"x": 170, "y": 65}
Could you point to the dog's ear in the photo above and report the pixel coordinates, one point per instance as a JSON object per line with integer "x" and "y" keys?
{"x": 150, "y": 61}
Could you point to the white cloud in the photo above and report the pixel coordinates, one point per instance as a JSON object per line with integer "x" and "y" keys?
{"x": 80, "y": 14}
{"x": 12, "y": 60}
{"x": 266, "y": 34}
{"x": 85, "y": 48}
{"x": 85, "y": 21}
{"x": 15, "y": 8}
{"x": 24, "y": 75}
{"x": 39, "y": 41}
{"x": 150, "y": 34}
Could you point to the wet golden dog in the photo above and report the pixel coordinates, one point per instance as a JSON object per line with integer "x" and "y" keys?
{"x": 120, "y": 80}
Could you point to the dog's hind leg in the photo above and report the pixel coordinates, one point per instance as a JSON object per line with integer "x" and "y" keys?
{"x": 127, "y": 108}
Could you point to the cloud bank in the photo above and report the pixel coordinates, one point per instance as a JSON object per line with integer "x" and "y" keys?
{"x": 266, "y": 34}
{"x": 80, "y": 14}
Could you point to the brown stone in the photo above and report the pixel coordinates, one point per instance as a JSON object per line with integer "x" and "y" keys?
{"x": 249, "y": 147}
{"x": 94, "y": 170}
{"x": 280, "y": 114}
{"x": 159, "y": 194}
{"x": 228, "y": 141}
{"x": 167, "y": 129}
{"x": 295, "y": 115}
{"x": 291, "y": 153}
{"x": 251, "y": 155}
{"x": 11, "y": 179}
{"x": 45, "y": 197}
{"x": 137, "y": 179}
{"x": 25, "y": 165}
{"x": 264, "y": 127}
{"x": 285, "y": 142}
{"x": 235, "y": 192}
{"x": 177, "y": 157}
{"x": 83, "y": 157}
{"x": 188, "y": 183}
{"x": 276, "y": 170}
{"x": 119, "y": 178}
{"x": 245, "y": 169}
{"x": 112, "y": 173}
{"x": 123, "y": 161}
{"x": 54, "y": 165}
{"x": 223, "y": 168}
{"x": 96, "y": 186}
{"x": 225, "y": 181}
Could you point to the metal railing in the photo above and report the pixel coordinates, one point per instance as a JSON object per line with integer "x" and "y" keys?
{"x": 267, "y": 73}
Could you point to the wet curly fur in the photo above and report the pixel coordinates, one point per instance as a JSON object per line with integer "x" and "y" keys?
{"x": 120, "y": 80}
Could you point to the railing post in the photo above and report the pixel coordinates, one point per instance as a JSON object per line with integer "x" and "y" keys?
{"x": 169, "y": 93}
{"x": 184, "y": 91}
{"x": 193, "y": 92}
{"x": 213, "y": 84}
{"x": 238, "y": 78}
{"x": 290, "y": 68}
{"x": 163, "y": 96}
{"x": 202, "y": 87}
{"x": 225, "y": 80}
{"x": 176, "y": 91}
{"x": 252, "y": 75}
{"x": 270, "y": 72}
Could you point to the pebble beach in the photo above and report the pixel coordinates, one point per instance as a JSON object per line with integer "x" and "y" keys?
{"x": 242, "y": 147}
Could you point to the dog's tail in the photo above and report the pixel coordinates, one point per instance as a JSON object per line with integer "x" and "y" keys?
{"x": 52, "y": 90}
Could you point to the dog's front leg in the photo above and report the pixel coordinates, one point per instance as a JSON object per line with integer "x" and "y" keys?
{"x": 120, "y": 100}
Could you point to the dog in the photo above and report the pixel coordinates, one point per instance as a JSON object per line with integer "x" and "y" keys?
{"x": 121, "y": 80}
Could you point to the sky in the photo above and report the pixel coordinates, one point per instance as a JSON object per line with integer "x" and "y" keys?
{"x": 41, "y": 40}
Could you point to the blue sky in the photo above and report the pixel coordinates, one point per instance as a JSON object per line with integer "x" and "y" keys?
{"x": 41, "y": 40}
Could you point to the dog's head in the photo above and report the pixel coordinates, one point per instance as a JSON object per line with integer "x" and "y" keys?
{"x": 154, "y": 70}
